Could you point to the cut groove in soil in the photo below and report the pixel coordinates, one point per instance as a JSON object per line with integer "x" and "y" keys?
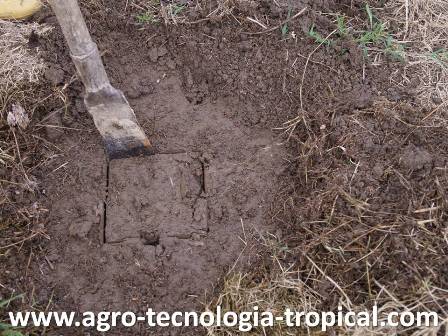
{"x": 106, "y": 200}
{"x": 159, "y": 196}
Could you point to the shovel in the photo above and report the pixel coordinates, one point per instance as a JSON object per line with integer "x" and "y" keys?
{"x": 113, "y": 117}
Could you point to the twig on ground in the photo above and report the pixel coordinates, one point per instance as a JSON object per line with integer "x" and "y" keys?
{"x": 278, "y": 26}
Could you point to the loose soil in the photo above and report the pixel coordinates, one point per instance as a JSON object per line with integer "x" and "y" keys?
{"x": 162, "y": 231}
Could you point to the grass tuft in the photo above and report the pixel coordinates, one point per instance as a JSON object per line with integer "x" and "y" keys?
{"x": 318, "y": 38}
{"x": 147, "y": 17}
{"x": 7, "y": 329}
{"x": 342, "y": 26}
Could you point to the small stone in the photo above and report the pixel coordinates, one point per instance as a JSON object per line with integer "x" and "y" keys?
{"x": 189, "y": 77}
{"x": 150, "y": 238}
{"x": 146, "y": 89}
{"x": 436, "y": 98}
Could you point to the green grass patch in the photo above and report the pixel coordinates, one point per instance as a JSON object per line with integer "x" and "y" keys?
{"x": 342, "y": 26}
{"x": 177, "y": 9}
{"x": 317, "y": 37}
{"x": 285, "y": 28}
{"x": 394, "y": 49}
{"x": 440, "y": 56}
{"x": 369, "y": 15}
{"x": 374, "y": 35}
{"x": 147, "y": 17}
{"x": 7, "y": 329}
{"x": 377, "y": 35}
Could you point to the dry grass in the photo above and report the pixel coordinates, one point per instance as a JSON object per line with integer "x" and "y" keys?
{"x": 352, "y": 257}
{"x": 154, "y": 11}
{"x": 20, "y": 78}
{"x": 147, "y": 12}
{"x": 343, "y": 247}
{"x": 21, "y": 67}
{"x": 271, "y": 290}
{"x": 422, "y": 26}
{"x": 21, "y": 93}
{"x": 307, "y": 286}
{"x": 21, "y": 217}
{"x": 283, "y": 289}
{"x": 19, "y": 64}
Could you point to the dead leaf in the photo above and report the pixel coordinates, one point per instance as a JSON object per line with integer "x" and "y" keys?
{"x": 17, "y": 117}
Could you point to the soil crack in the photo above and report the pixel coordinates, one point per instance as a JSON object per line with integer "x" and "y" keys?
{"x": 106, "y": 199}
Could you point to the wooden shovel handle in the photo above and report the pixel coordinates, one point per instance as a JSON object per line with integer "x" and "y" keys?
{"x": 83, "y": 50}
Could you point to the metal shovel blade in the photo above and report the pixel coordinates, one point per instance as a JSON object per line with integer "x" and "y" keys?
{"x": 117, "y": 124}
{"x": 113, "y": 117}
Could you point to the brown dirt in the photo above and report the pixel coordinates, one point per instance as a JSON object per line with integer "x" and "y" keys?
{"x": 175, "y": 214}
{"x": 161, "y": 231}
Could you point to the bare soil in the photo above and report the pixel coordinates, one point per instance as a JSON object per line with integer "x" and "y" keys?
{"x": 163, "y": 231}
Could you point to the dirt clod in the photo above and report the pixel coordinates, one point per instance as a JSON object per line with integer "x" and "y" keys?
{"x": 153, "y": 54}
{"x": 54, "y": 74}
{"x": 415, "y": 158}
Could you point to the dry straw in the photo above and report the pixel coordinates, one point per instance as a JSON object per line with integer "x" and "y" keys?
{"x": 423, "y": 27}
{"x": 22, "y": 66}
{"x": 19, "y": 62}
